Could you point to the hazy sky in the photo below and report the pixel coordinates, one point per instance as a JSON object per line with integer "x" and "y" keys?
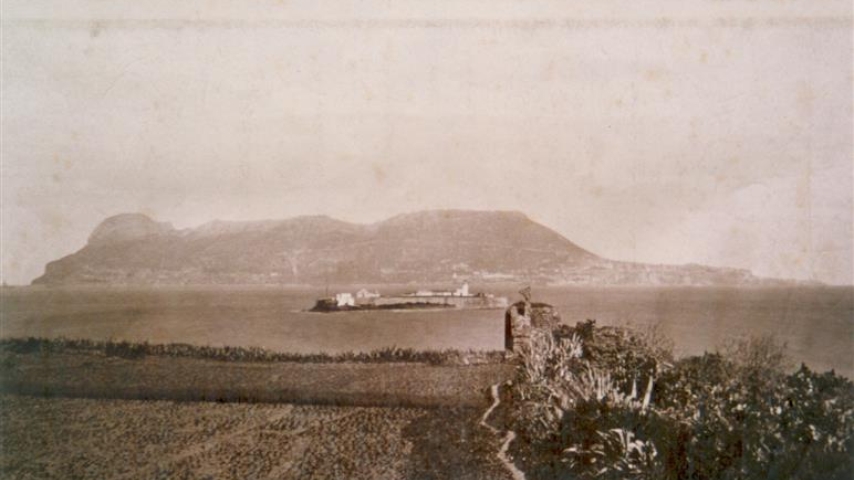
{"x": 713, "y": 132}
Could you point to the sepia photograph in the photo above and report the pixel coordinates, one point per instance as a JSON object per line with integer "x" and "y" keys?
{"x": 426, "y": 240}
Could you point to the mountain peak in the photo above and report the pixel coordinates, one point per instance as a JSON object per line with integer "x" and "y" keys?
{"x": 127, "y": 226}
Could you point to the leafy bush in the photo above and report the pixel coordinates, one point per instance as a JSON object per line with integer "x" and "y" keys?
{"x": 594, "y": 402}
{"x": 749, "y": 420}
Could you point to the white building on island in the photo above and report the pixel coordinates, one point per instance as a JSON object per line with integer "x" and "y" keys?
{"x": 462, "y": 291}
{"x": 345, "y": 300}
{"x": 365, "y": 294}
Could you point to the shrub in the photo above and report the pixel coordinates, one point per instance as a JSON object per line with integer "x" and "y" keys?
{"x": 126, "y": 350}
{"x": 580, "y": 397}
{"x": 133, "y": 350}
{"x": 594, "y": 402}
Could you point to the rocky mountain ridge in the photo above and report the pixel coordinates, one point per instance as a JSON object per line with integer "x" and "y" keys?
{"x": 429, "y": 246}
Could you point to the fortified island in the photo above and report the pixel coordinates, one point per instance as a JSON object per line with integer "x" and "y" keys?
{"x": 367, "y": 300}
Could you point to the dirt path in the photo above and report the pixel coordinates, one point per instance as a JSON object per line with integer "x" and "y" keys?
{"x": 508, "y": 437}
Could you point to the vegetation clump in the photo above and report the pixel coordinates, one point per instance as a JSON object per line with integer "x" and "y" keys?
{"x": 612, "y": 403}
{"x": 138, "y": 350}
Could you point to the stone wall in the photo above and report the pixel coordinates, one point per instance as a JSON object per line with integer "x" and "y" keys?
{"x": 522, "y": 318}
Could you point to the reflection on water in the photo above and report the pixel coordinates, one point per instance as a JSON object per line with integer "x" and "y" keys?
{"x": 817, "y": 323}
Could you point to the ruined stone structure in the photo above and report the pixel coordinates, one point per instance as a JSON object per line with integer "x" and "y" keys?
{"x": 517, "y": 327}
{"x": 522, "y": 318}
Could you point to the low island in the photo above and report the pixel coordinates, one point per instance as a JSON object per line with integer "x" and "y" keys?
{"x": 421, "y": 299}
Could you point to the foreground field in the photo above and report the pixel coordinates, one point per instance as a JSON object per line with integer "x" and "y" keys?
{"x": 71, "y": 410}
{"x": 584, "y": 402}
{"x": 84, "y": 438}
{"x": 88, "y": 375}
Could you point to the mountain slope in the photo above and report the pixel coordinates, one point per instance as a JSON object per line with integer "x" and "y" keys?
{"x": 430, "y": 246}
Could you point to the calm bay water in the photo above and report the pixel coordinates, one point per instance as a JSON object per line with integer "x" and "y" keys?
{"x": 817, "y": 323}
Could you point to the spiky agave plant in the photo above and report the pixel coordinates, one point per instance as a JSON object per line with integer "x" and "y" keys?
{"x": 619, "y": 454}
{"x": 568, "y": 400}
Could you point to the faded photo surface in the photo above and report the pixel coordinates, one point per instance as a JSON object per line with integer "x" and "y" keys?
{"x": 454, "y": 239}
